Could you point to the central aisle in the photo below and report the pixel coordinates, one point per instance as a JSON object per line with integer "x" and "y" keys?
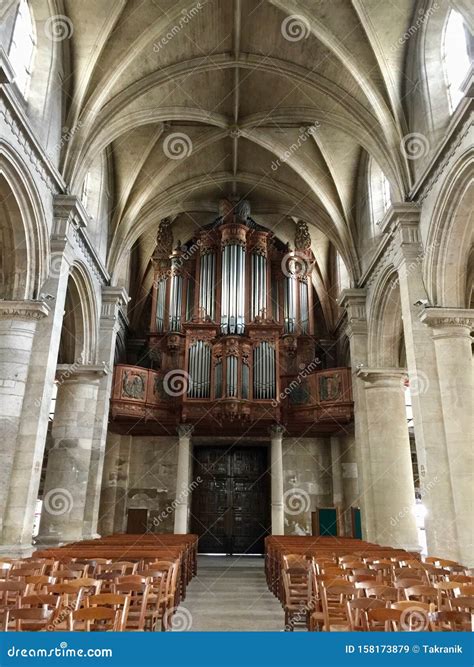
{"x": 229, "y": 593}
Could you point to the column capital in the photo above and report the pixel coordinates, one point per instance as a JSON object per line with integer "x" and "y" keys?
{"x": 79, "y": 372}
{"x": 23, "y": 310}
{"x": 354, "y": 303}
{"x": 383, "y": 377}
{"x": 449, "y": 322}
{"x": 113, "y": 299}
{"x": 402, "y": 218}
{"x": 277, "y": 431}
{"x": 185, "y": 430}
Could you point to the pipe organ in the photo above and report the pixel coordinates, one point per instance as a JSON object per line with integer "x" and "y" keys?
{"x": 233, "y": 316}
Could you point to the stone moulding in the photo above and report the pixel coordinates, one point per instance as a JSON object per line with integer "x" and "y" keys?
{"x": 23, "y": 310}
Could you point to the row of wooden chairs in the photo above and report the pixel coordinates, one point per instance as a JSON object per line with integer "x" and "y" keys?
{"x": 91, "y": 586}
{"x": 329, "y": 590}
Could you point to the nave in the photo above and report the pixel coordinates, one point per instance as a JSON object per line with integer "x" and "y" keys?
{"x": 318, "y": 584}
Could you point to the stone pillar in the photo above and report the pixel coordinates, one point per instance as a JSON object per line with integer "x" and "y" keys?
{"x": 392, "y": 475}
{"x": 436, "y": 487}
{"x": 18, "y": 321}
{"x": 451, "y": 330}
{"x": 116, "y": 469}
{"x": 26, "y": 471}
{"x": 67, "y": 473}
{"x": 354, "y": 301}
{"x": 276, "y": 471}
{"x": 183, "y": 479}
{"x": 113, "y": 298}
{"x": 336, "y": 472}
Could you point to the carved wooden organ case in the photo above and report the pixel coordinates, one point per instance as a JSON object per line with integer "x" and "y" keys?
{"x": 231, "y": 340}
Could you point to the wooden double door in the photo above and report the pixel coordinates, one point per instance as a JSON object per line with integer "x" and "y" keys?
{"x": 230, "y": 501}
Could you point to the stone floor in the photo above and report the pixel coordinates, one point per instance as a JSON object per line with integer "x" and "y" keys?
{"x": 229, "y": 593}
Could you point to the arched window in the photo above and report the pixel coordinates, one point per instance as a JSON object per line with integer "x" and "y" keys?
{"x": 22, "y": 47}
{"x": 456, "y": 58}
{"x": 379, "y": 193}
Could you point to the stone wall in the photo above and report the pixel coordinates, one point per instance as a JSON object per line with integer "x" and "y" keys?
{"x": 139, "y": 473}
{"x": 307, "y": 481}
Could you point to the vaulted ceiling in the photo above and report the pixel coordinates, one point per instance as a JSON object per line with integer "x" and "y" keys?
{"x": 198, "y": 101}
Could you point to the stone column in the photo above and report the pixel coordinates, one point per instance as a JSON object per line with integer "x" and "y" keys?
{"x": 116, "y": 469}
{"x": 113, "y": 298}
{"x": 276, "y": 471}
{"x": 354, "y": 301}
{"x": 67, "y": 472}
{"x": 451, "y": 330}
{"x": 436, "y": 487}
{"x": 392, "y": 484}
{"x": 183, "y": 479}
{"x": 18, "y": 320}
{"x": 336, "y": 472}
{"x": 26, "y": 471}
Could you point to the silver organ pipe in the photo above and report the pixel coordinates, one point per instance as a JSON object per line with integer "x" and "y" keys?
{"x": 160, "y": 304}
{"x": 207, "y": 286}
{"x": 199, "y": 369}
{"x": 264, "y": 381}
{"x": 259, "y": 285}
{"x": 176, "y": 295}
{"x": 289, "y": 304}
{"x": 304, "y": 308}
{"x": 233, "y": 289}
{"x": 218, "y": 389}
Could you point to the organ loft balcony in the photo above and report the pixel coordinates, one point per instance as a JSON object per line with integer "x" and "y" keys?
{"x": 233, "y": 338}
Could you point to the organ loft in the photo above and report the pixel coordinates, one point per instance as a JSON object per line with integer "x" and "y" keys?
{"x": 232, "y": 334}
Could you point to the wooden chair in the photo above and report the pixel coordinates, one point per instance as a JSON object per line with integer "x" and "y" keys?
{"x": 5, "y": 569}
{"x": 71, "y": 595}
{"x": 451, "y": 621}
{"x": 138, "y": 592}
{"x": 67, "y": 575}
{"x": 446, "y": 591}
{"x": 356, "y": 607}
{"x": 120, "y": 568}
{"x": 422, "y": 594}
{"x": 95, "y": 619}
{"x": 29, "y": 619}
{"x": 90, "y": 586}
{"x": 463, "y": 603}
{"x": 47, "y": 600}
{"x": 38, "y": 582}
{"x": 297, "y": 596}
{"x": 387, "y": 620}
{"x": 162, "y": 576}
{"x": 415, "y": 615}
{"x": 10, "y": 592}
{"x": 4, "y": 614}
{"x": 334, "y": 599}
{"x": 385, "y": 593}
{"x": 116, "y": 602}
